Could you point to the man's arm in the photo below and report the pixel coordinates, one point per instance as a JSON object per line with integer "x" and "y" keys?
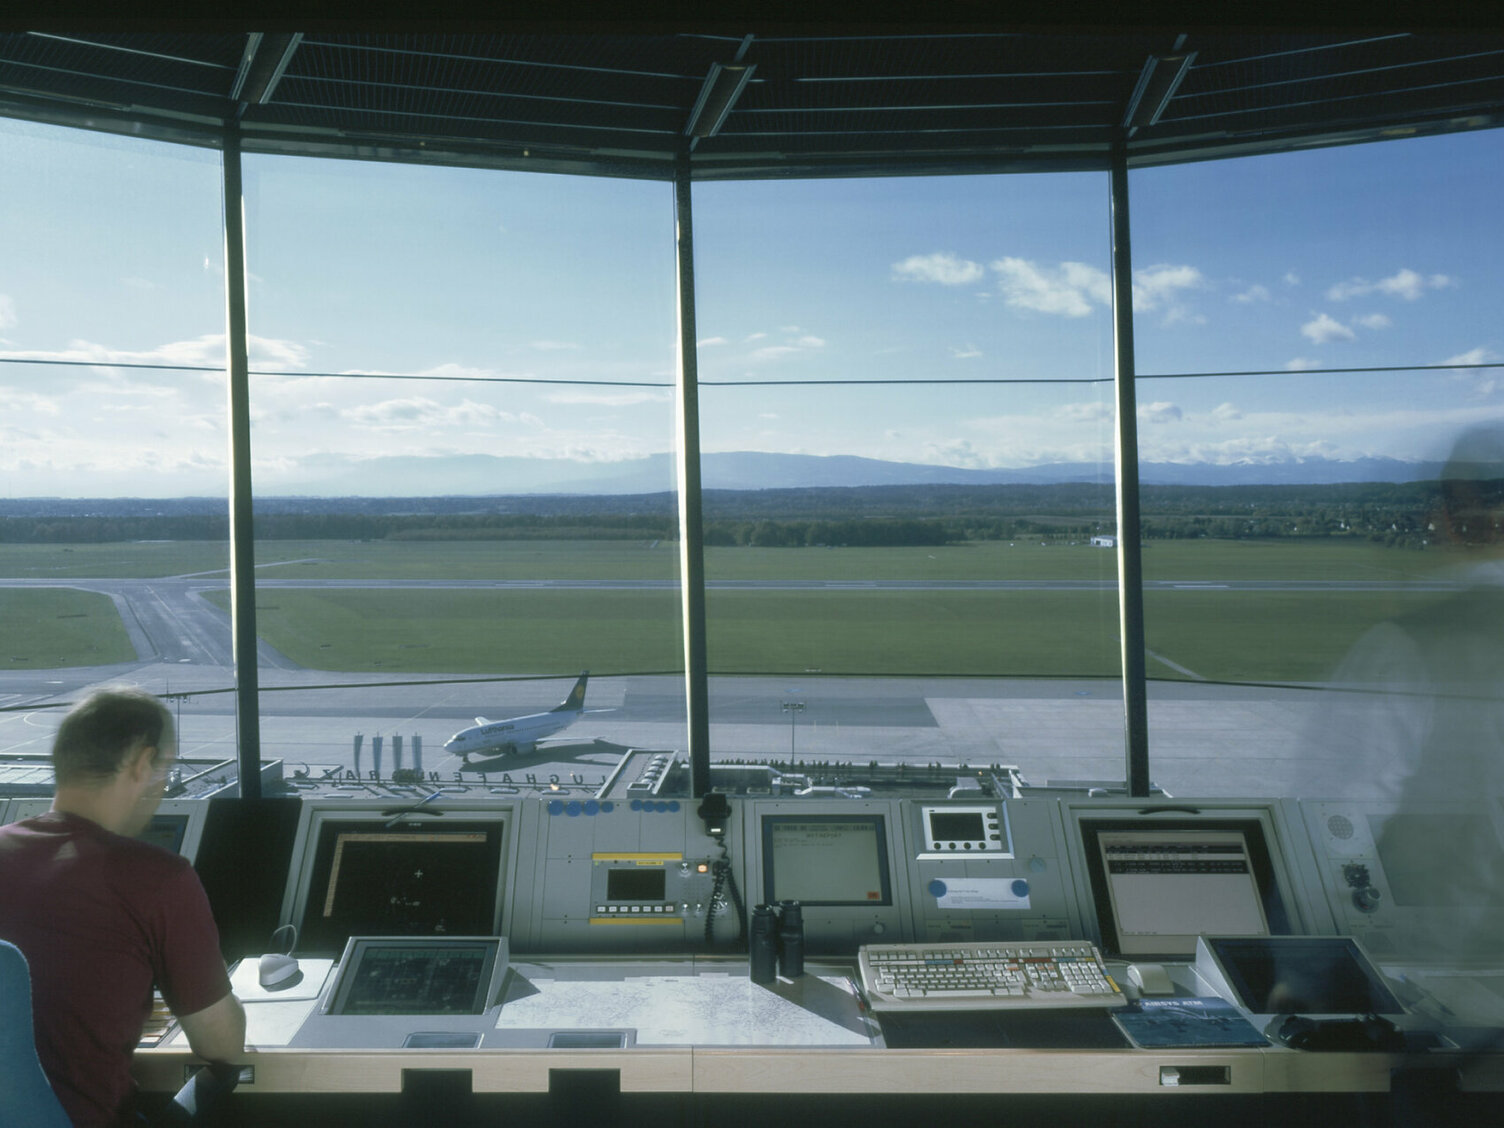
{"x": 216, "y": 1033}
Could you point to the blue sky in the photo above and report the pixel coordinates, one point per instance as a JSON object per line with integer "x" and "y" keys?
{"x": 1371, "y": 255}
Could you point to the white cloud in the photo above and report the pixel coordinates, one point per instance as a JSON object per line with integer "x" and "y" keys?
{"x": 946, "y": 269}
{"x": 955, "y": 452}
{"x": 14, "y": 401}
{"x": 773, "y": 352}
{"x": 626, "y": 398}
{"x": 1373, "y": 321}
{"x": 750, "y": 337}
{"x": 207, "y": 351}
{"x": 7, "y": 311}
{"x": 1069, "y": 289}
{"x": 1405, "y": 283}
{"x": 1291, "y": 278}
{"x": 1160, "y": 412}
{"x": 1073, "y": 289}
{"x": 1090, "y": 412}
{"x": 810, "y": 343}
{"x": 969, "y": 352}
{"x": 1227, "y": 413}
{"x": 1254, "y": 293}
{"x": 418, "y": 413}
{"x": 1479, "y": 355}
{"x": 710, "y": 342}
{"x": 1155, "y": 287}
{"x": 1301, "y": 364}
{"x": 1324, "y": 328}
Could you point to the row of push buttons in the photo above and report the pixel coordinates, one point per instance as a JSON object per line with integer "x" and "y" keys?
{"x": 604, "y": 910}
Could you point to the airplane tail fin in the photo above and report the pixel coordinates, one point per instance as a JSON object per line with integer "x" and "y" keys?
{"x": 575, "y": 702}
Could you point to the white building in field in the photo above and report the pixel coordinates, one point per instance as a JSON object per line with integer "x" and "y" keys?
{"x": 1104, "y": 542}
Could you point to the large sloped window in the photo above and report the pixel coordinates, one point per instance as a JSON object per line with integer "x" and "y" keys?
{"x": 1308, "y": 331}
{"x": 906, "y": 418}
{"x": 113, "y": 453}
{"x": 462, "y": 439}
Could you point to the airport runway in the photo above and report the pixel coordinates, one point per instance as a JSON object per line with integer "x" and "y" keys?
{"x": 1205, "y": 739}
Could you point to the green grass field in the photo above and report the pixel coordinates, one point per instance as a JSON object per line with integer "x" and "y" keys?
{"x": 48, "y": 628}
{"x": 1235, "y": 636}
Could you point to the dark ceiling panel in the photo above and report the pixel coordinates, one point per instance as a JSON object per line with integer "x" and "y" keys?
{"x": 815, "y": 103}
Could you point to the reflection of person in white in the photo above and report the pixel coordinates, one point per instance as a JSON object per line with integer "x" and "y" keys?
{"x": 1431, "y": 730}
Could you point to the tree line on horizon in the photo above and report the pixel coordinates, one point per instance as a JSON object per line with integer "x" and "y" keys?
{"x": 868, "y": 516}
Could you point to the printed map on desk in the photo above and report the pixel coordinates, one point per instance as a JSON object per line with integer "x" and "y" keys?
{"x": 670, "y": 1010}
{"x": 1159, "y": 1023}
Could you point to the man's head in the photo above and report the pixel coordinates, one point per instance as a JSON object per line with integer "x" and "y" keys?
{"x": 1472, "y": 489}
{"x": 116, "y": 746}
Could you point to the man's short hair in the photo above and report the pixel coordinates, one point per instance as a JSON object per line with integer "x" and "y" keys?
{"x": 104, "y": 730}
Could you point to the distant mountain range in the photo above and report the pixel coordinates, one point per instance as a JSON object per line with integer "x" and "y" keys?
{"x": 480, "y": 475}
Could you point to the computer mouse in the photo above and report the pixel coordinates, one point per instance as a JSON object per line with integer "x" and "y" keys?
{"x": 278, "y": 971}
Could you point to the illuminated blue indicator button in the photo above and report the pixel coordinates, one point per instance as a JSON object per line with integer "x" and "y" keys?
{"x": 673, "y": 804}
{"x": 660, "y": 806}
{"x": 592, "y": 807}
{"x": 556, "y": 806}
{"x": 573, "y": 809}
{"x": 607, "y": 807}
{"x": 937, "y": 888}
{"x": 636, "y": 804}
{"x": 1020, "y": 888}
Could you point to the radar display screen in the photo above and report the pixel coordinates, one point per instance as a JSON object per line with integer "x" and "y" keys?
{"x": 369, "y": 879}
{"x": 386, "y": 975}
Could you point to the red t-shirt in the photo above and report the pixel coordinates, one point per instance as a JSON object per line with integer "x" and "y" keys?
{"x": 102, "y": 919}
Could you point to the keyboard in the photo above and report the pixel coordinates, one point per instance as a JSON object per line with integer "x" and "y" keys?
{"x": 1003, "y": 976}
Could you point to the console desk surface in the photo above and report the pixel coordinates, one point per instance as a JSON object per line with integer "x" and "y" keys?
{"x": 700, "y": 1025}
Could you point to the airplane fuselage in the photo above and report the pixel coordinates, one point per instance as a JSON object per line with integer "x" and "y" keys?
{"x": 518, "y": 734}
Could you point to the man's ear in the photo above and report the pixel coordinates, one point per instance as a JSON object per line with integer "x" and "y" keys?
{"x": 142, "y": 763}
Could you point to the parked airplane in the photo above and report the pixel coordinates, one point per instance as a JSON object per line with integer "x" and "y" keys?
{"x": 518, "y": 734}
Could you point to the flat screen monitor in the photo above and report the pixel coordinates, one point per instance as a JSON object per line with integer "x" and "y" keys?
{"x": 826, "y": 859}
{"x": 1306, "y": 975}
{"x": 370, "y": 878}
{"x": 166, "y": 831}
{"x": 428, "y": 975}
{"x": 1159, "y": 883}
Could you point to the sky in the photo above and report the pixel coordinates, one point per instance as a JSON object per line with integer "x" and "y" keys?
{"x": 540, "y": 312}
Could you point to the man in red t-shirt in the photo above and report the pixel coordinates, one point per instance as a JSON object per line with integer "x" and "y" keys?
{"x": 102, "y": 917}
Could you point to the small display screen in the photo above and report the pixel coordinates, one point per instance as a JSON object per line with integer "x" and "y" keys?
{"x": 957, "y": 826}
{"x": 166, "y": 831}
{"x": 636, "y": 884}
{"x": 414, "y": 977}
{"x": 1303, "y": 975}
{"x": 826, "y": 859}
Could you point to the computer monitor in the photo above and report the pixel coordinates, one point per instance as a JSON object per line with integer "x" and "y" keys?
{"x": 373, "y": 877}
{"x": 418, "y": 975}
{"x": 166, "y": 831}
{"x": 1159, "y": 883}
{"x": 826, "y": 859}
{"x": 1305, "y": 975}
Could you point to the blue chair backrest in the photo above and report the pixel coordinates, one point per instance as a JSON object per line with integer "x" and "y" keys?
{"x": 26, "y": 1099}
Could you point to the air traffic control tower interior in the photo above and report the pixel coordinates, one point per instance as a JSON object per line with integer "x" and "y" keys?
{"x": 1052, "y": 783}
